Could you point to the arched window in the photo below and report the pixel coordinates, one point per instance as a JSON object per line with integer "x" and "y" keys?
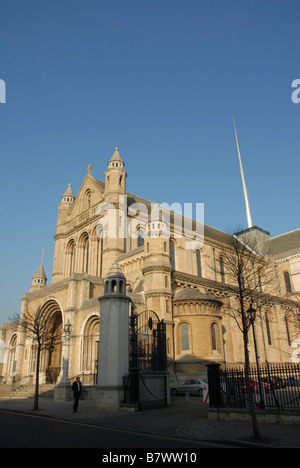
{"x": 287, "y": 280}
{"x": 140, "y": 239}
{"x": 213, "y": 331}
{"x": 70, "y": 258}
{"x": 222, "y": 271}
{"x": 199, "y": 265}
{"x": 87, "y": 199}
{"x": 268, "y": 329}
{"x": 84, "y": 260}
{"x": 100, "y": 235}
{"x": 184, "y": 337}
{"x": 172, "y": 254}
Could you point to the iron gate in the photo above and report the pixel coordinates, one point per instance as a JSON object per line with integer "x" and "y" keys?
{"x": 147, "y": 347}
{"x": 146, "y": 383}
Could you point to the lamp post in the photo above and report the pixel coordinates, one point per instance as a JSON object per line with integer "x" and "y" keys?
{"x": 67, "y": 331}
{"x": 252, "y": 315}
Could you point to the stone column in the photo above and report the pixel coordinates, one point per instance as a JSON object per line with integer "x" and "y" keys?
{"x": 113, "y": 361}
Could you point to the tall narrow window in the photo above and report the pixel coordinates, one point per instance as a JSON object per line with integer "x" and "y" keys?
{"x": 213, "y": 337}
{"x": 84, "y": 260}
{"x": 260, "y": 281}
{"x": 172, "y": 254}
{"x": 287, "y": 330}
{"x": 199, "y": 266}
{"x": 287, "y": 280}
{"x": 268, "y": 330}
{"x": 184, "y": 336}
{"x": 222, "y": 271}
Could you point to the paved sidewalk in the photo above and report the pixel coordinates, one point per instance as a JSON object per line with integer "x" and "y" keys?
{"x": 180, "y": 419}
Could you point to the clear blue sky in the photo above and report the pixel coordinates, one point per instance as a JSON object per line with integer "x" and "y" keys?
{"x": 161, "y": 80}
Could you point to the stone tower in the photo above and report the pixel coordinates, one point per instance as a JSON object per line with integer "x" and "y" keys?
{"x": 115, "y": 207}
{"x": 64, "y": 209}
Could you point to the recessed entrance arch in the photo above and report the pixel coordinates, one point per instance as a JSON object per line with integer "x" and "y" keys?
{"x": 51, "y": 362}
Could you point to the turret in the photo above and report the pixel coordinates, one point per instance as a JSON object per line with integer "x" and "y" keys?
{"x": 66, "y": 205}
{"x": 115, "y": 190}
{"x": 64, "y": 210}
{"x": 115, "y": 178}
{"x": 68, "y": 197}
{"x": 39, "y": 280}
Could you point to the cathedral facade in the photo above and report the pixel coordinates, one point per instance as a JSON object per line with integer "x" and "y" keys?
{"x": 182, "y": 278}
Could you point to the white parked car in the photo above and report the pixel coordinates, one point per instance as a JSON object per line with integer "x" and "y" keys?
{"x": 193, "y": 387}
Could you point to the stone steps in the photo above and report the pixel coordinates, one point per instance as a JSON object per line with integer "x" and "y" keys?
{"x": 7, "y": 392}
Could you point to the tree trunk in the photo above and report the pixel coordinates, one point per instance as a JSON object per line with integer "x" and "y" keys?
{"x": 255, "y": 427}
{"x": 36, "y": 393}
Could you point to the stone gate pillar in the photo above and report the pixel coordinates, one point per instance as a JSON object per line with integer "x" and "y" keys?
{"x": 113, "y": 361}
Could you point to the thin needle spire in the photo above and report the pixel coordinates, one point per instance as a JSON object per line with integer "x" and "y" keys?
{"x": 247, "y": 205}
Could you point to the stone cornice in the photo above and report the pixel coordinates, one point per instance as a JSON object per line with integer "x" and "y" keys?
{"x": 156, "y": 293}
{"x": 64, "y": 283}
{"x": 151, "y": 268}
{"x": 289, "y": 257}
{"x": 222, "y": 290}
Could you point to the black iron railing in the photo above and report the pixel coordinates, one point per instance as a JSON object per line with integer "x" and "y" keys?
{"x": 274, "y": 386}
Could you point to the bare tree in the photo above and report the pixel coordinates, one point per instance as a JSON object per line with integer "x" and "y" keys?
{"x": 45, "y": 336}
{"x": 246, "y": 271}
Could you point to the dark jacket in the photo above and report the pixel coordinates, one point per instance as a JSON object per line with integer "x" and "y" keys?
{"x": 76, "y": 390}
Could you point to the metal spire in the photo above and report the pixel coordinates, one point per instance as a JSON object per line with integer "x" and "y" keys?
{"x": 247, "y": 206}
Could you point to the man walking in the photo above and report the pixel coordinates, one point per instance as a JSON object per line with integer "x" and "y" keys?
{"x": 76, "y": 387}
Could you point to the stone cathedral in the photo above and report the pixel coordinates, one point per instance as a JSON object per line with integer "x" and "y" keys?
{"x": 104, "y": 225}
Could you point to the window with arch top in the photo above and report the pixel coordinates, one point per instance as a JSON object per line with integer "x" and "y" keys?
{"x": 184, "y": 337}
{"x": 287, "y": 281}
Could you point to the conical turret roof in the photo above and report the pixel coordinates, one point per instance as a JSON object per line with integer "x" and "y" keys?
{"x": 116, "y": 156}
{"x": 69, "y": 192}
{"x": 40, "y": 273}
{"x": 115, "y": 271}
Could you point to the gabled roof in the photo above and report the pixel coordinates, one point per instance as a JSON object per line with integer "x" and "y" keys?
{"x": 285, "y": 245}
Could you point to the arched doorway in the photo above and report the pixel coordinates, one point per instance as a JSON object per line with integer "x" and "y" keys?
{"x": 89, "y": 363}
{"x": 51, "y": 362}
